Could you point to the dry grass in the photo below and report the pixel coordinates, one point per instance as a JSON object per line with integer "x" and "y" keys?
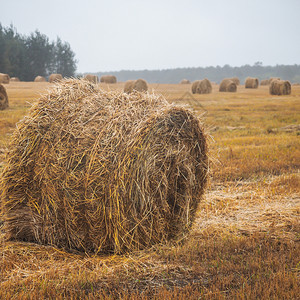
{"x": 245, "y": 241}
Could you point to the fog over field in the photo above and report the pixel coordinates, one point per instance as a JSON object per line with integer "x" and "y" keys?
{"x": 138, "y": 35}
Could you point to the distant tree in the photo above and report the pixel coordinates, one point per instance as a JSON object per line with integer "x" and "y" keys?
{"x": 64, "y": 59}
{"x": 39, "y": 56}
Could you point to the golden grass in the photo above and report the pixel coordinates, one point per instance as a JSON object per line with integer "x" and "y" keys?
{"x": 245, "y": 241}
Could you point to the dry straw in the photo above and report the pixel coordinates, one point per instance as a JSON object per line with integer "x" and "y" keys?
{"x": 139, "y": 85}
{"x": 55, "y": 77}
{"x": 227, "y": 85}
{"x": 108, "y": 79}
{"x": 4, "y": 78}
{"x": 3, "y": 98}
{"x": 251, "y": 83}
{"x": 103, "y": 171}
{"x": 91, "y": 78}
{"x": 280, "y": 87}
{"x": 40, "y": 79}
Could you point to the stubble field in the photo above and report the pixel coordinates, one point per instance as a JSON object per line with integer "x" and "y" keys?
{"x": 245, "y": 242}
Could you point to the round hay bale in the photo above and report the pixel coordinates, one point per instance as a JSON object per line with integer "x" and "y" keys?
{"x": 15, "y": 79}
{"x": 128, "y": 87}
{"x": 273, "y": 78}
{"x": 108, "y": 79}
{"x": 3, "y": 98}
{"x": 280, "y": 87}
{"x": 4, "y": 78}
{"x": 251, "y": 83}
{"x": 264, "y": 82}
{"x": 139, "y": 85}
{"x": 40, "y": 79}
{"x": 103, "y": 171}
{"x": 204, "y": 87}
{"x": 235, "y": 80}
{"x": 55, "y": 77}
{"x": 194, "y": 86}
{"x": 227, "y": 85}
{"x": 91, "y": 78}
{"x": 185, "y": 81}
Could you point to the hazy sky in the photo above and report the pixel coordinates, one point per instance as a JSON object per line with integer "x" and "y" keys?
{"x": 159, "y": 34}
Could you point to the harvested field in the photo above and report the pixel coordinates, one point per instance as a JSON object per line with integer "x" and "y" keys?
{"x": 244, "y": 243}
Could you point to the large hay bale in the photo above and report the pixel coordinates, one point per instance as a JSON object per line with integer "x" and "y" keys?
{"x": 139, "y": 85}
{"x": 103, "y": 171}
{"x": 108, "y": 79}
{"x": 40, "y": 79}
{"x": 4, "y": 78}
{"x": 235, "y": 80}
{"x": 251, "y": 83}
{"x": 91, "y": 78}
{"x": 14, "y": 79}
{"x": 280, "y": 87}
{"x": 204, "y": 87}
{"x": 264, "y": 82}
{"x": 273, "y": 78}
{"x": 185, "y": 81}
{"x": 3, "y": 98}
{"x": 194, "y": 86}
{"x": 55, "y": 77}
{"x": 227, "y": 85}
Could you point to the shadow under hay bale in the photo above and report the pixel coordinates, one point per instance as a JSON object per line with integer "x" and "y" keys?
{"x": 280, "y": 87}
{"x": 3, "y": 98}
{"x": 139, "y": 85}
{"x": 103, "y": 171}
{"x": 227, "y": 85}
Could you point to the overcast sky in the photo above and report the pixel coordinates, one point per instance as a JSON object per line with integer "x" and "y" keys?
{"x": 160, "y": 34}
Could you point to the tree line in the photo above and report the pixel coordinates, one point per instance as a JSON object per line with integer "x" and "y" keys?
{"x": 215, "y": 74}
{"x": 26, "y": 57}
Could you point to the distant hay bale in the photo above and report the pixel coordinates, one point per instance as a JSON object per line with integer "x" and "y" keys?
{"x": 204, "y": 87}
{"x": 103, "y": 171}
{"x": 251, "y": 83}
{"x": 194, "y": 86}
{"x": 108, "y": 79}
{"x": 4, "y": 78}
{"x": 14, "y": 79}
{"x": 40, "y": 79}
{"x": 3, "y": 98}
{"x": 185, "y": 81}
{"x": 273, "y": 78}
{"x": 264, "y": 82}
{"x": 55, "y": 77}
{"x": 139, "y": 85}
{"x": 235, "y": 80}
{"x": 227, "y": 85}
{"x": 91, "y": 78}
{"x": 280, "y": 87}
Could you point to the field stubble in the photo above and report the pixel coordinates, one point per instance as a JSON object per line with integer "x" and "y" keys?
{"x": 245, "y": 241}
